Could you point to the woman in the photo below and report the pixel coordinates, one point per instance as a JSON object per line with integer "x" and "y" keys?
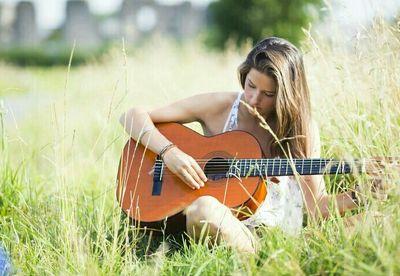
{"x": 274, "y": 87}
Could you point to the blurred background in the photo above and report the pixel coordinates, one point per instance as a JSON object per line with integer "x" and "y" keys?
{"x": 40, "y": 32}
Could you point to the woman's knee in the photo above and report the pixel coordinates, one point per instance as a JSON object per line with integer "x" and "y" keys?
{"x": 202, "y": 215}
{"x": 202, "y": 207}
{"x": 206, "y": 210}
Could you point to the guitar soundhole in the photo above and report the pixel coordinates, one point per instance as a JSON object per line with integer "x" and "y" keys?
{"x": 216, "y": 168}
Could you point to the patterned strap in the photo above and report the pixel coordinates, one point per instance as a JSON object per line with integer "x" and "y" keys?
{"x": 232, "y": 120}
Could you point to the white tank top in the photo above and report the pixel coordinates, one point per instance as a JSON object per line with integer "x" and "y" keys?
{"x": 283, "y": 206}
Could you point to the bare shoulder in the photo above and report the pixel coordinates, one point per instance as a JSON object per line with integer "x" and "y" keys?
{"x": 219, "y": 101}
{"x": 314, "y": 129}
{"x": 199, "y": 107}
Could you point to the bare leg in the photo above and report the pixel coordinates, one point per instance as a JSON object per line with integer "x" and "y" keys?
{"x": 209, "y": 215}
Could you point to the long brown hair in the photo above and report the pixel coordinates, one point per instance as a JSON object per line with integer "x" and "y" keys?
{"x": 281, "y": 60}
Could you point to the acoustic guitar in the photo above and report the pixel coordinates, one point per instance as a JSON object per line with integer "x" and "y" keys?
{"x": 233, "y": 163}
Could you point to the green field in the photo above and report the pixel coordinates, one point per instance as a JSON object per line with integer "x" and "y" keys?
{"x": 59, "y": 152}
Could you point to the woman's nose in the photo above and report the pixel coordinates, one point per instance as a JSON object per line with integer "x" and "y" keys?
{"x": 255, "y": 99}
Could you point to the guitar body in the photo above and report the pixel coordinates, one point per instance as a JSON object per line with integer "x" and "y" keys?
{"x": 150, "y": 199}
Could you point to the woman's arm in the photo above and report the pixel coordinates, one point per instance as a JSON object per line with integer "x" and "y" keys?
{"x": 139, "y": 124}
{"x": 318, "y": 202}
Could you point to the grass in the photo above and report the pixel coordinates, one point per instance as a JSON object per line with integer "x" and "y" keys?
{"x": 58, "y": 213}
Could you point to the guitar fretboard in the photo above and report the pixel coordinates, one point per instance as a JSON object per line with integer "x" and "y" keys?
{"x": 282, "y": 167}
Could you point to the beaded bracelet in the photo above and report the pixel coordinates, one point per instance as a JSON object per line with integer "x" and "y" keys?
{"x": 165, "y": 149}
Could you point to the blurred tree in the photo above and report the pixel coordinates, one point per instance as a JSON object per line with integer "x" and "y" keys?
{"x": 240, "y": 20}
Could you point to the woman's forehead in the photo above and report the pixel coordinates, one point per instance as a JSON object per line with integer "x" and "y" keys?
{"x": 261, "y": 79}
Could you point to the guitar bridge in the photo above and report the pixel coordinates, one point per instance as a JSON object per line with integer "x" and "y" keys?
{"x": 157, "y": 177}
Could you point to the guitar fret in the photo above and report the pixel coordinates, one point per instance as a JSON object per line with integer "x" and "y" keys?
{"x": 287, "y": 167}
{"x": 280, "y": 164}
{"x": 334, "y": 168}
{"x": 273, "y": 167}
{"x": 311, "y": 166}
{"x": 250, "y": 167}
{"x": 302, "y": 167}
{"x": 265, "y": 168}
{"x": 320, "y": 166}
{"x": 261, "y": 167}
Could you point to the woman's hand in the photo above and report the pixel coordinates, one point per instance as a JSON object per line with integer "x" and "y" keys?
{"x": 185, "y": 167}
{"x": 379, "y": 188}
{"x": 379, "y": 181}
{"x": 376, "y": 187}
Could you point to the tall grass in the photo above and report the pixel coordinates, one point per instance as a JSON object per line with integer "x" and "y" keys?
{"x": 58, "y": 166}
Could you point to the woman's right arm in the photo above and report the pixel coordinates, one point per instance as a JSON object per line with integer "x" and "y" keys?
{"x": 140, "y": 123}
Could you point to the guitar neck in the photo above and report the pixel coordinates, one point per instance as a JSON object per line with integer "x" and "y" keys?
{"x": 283, "y": 167}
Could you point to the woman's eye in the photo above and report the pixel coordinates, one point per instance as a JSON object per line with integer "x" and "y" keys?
{"x": 251, "y": 86}
{"x": 269, "y": 95}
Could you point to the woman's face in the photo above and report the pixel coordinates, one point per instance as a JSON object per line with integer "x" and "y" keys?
{"x": 260, "y": 92}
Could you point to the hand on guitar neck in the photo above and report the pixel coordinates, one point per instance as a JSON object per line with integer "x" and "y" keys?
{"x": 379, "y": 171}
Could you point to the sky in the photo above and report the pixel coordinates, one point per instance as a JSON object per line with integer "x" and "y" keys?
{"x": 349, "y": 13}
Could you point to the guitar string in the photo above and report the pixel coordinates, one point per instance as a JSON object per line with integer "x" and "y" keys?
{"x": 276, "y": 171}
{"x": 310, "y": 166}
{"x": 277, "y": 160}
{"x": 267, "y": 164}
{"x": 276, "y": 164}
{"x": 329, "y": 167}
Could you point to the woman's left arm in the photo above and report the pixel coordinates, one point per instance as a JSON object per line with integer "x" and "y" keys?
{"x": 318, "y": 202}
